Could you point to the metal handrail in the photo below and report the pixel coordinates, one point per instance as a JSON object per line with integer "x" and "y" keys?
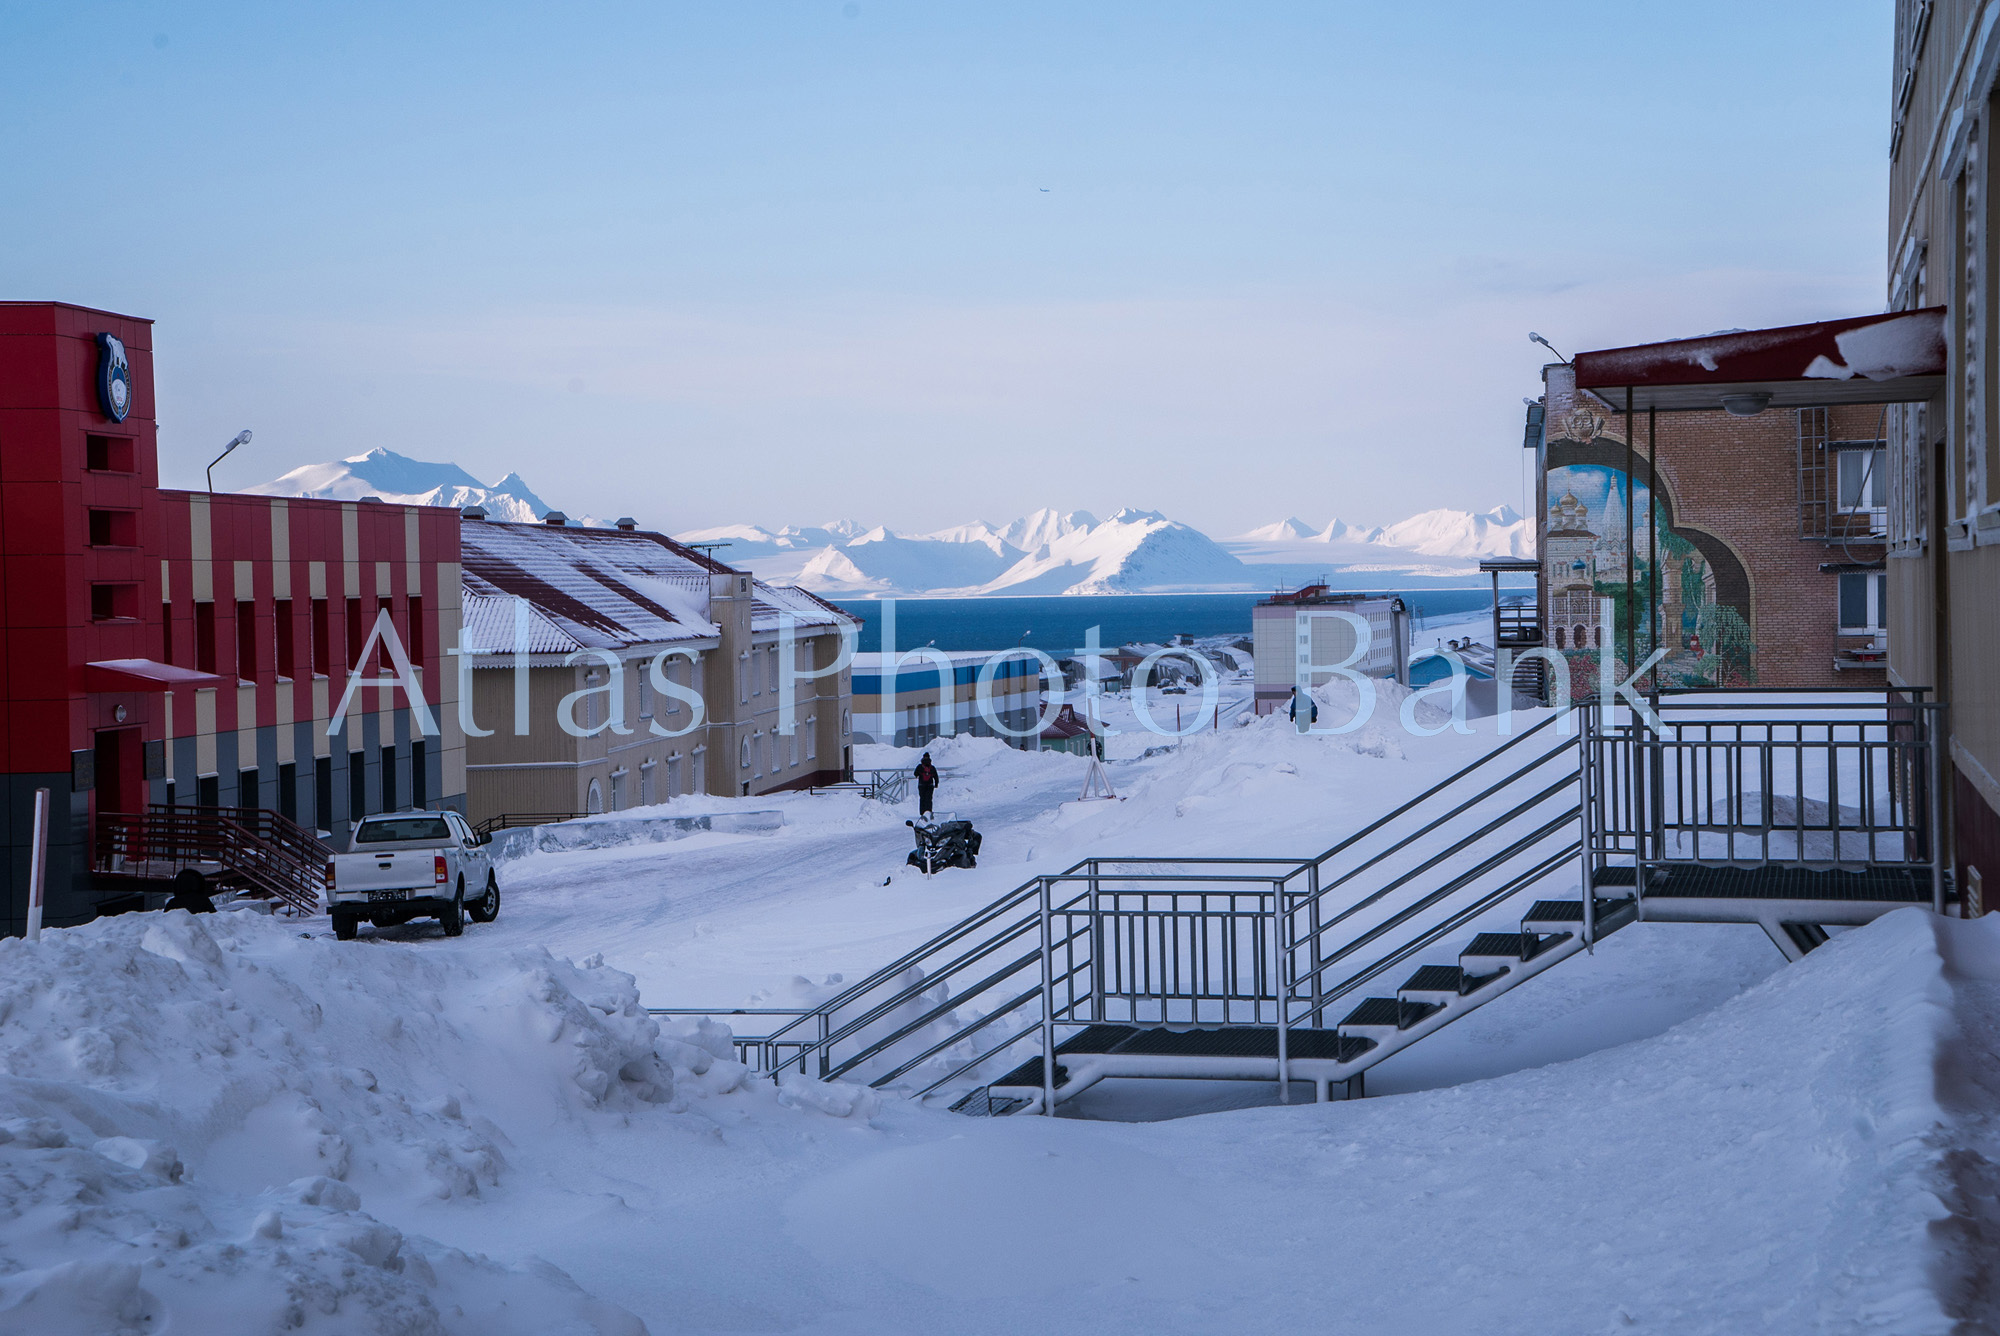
{"x": 1148, "y": 932}
{"x": 1094, "y": 871}
{"x": 274, "y": 855}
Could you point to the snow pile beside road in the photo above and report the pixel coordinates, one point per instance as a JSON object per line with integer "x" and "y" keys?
{"x": 1814, "y": 1155}
{"x": 196, "y": 1111}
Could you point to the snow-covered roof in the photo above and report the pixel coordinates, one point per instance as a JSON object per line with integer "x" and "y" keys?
{"x": 808, "y": 608}
{"x": 586, "y": 588}
{"x": 1886, "y": 358}
{"x": 603, "y": 589}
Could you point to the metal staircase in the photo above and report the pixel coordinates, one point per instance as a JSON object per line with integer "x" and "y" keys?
{"x": 250, "y": 848}
{"x": 1316, "y": 969}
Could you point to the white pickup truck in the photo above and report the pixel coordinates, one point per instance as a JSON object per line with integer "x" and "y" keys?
{"x": 412, "y": 865}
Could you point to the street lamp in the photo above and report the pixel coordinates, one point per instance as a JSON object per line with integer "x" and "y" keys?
{"x": 241, "y": 438}
{"x": 1536, "y": 338}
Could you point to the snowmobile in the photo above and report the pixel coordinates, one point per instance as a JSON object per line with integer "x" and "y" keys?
{"x": 942, "y": 844}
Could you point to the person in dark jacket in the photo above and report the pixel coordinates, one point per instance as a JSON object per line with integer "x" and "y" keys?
{"x": 1312, "y": 718}
{"x": 927, "y": 778}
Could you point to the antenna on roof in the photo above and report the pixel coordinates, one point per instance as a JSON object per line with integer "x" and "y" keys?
{"x": 707, "y": 549}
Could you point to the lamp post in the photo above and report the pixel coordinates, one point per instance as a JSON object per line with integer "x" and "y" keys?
{"x": 241, "y": 438}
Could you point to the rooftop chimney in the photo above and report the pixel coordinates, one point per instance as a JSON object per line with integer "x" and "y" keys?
{"x": 555, "y": 517}
{"x": 372, "y": 500}
{"x": 473, "y": 513}
{"x": 626, "y": 522}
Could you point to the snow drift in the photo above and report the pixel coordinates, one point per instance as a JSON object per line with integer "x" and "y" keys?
{"x": 197, "y": 1113}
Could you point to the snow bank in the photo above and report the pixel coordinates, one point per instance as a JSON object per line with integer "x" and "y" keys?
{"x": 638, "y": 825}
{"x": 195, "y": 1112}
{"x": 1790, "y": 1162}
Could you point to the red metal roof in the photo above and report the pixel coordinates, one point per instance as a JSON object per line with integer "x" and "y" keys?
{"x": 1896, "y": 357}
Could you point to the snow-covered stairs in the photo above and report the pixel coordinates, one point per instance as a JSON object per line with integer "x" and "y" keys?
{"x": 1374, "y": 1029}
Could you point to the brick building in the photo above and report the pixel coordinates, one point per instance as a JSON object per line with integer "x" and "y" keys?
{"x": 176, "y": 647}
{"x": 1757, "y": 560}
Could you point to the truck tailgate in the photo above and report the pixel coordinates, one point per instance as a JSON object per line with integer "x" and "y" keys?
{"x": 385, "y": 869}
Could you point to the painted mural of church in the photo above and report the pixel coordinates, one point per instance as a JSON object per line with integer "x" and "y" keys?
{"x": 1589, "y": 554}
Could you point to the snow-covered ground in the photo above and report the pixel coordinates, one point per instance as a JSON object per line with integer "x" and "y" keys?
{"x": 235, "y": 1123}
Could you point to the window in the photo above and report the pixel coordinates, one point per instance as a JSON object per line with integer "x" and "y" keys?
{"x": 246, "y": 642}
{"x": 323, "y": 794}
{"x": 166, "y": 633}
{"x": 846, "y": 722}
{"x": 793, "y": 748}
{"x": 771, "y": 669}
{"x": 281, "y": 621}
{"x": 394, "y": 830}
{"x": 646, "y": 798}
{"x": 357, "y": 785}
{"x": 1864, "y": 483}
{"x": 743, "y": 760}
{"x": 645, "y": 676}
{"x": 322, "y": 643}
{"x": 674, "y": 775}
{"x": 204, "y": 637}
{"x": 594, "y": 803}
{"x": 114, "y": 528}
{"x": 414, "y": 642}
{"x": 356, "y": 634}
{"x": 618, "y": 790}
{"x": 112, "y": 602}
{"x": 812, "y": 737}
{"x": 107, "y": 454}
{"x": 382, "y": 661}
{"x": 389, "y": 779}
{"x": 1864, "y": 597}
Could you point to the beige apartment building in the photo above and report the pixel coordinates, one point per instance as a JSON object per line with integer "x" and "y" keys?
{"x": 1943, "y": 562}
{"x": 645, "y": 670}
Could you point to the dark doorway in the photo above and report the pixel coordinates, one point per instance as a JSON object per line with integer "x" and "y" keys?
{"x": 247, "y": 791}
{"x": 388, "y": 779}
{"x": 288, "y": 792}
{"x": 121, "y": 785}
{"x": 208, "y": 790}
{"x": 419, "y": 787}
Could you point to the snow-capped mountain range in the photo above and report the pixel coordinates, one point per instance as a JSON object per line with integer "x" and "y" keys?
{"x": 1499, "y": 532}
{"x": 400, "y": 480}
{"x": 1047, "y": 552}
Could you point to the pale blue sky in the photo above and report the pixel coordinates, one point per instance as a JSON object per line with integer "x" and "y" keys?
{"x": 920, "y": 263}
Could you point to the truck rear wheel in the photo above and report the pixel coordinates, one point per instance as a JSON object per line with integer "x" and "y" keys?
{"x": 344, "y": 926}
{"x": 453, "y": 918}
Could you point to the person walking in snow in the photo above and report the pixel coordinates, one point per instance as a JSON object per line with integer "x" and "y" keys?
{"x": 1311, "y": 719}
{"x": 927, "y": 778}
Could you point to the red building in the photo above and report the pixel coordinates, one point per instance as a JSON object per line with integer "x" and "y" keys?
{"x": 170, "y": 647}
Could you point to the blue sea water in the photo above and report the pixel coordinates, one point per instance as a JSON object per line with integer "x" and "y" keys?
{"x": 1058, "y": 624}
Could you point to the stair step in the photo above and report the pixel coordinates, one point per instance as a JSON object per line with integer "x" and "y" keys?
{"x": 1567, "y": 911}
{"x": 1375, "y": 1011}
{"x": 1495, "y": 946}
{"x": 1435, "y": 979}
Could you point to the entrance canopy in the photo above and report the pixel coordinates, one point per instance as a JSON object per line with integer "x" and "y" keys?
{"x": 143, "y": 675}
{"x": 1898, "y": 357}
